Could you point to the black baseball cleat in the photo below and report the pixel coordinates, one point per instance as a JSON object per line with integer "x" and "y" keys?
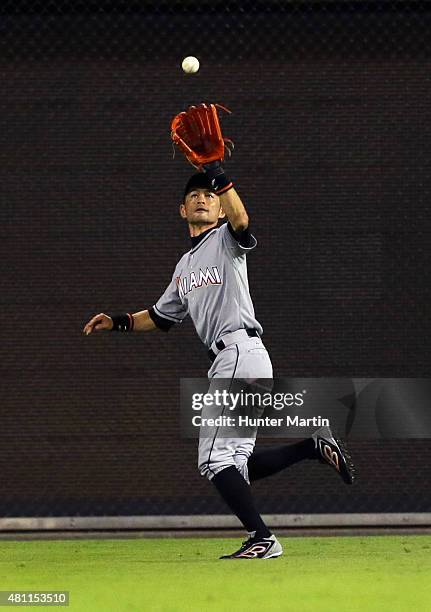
{"x": 332, "y": 450}
{"x": 257, "y": 548}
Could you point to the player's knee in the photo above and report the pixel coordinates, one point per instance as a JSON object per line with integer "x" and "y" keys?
{"x": 204, "y": 470}
{"x": 210, "y": 467}
{"x": 241, "y": 462}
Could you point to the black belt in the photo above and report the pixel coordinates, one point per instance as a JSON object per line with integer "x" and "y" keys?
{"x": 251, "y": 333}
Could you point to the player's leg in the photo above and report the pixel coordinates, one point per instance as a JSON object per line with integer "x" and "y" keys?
{"x": 226, "y": 467}
{"x": 271, "y": 460}
{"x": 216, "y": 458}
{"x": 325, "y": 446}
{"x": 237, "y": 494}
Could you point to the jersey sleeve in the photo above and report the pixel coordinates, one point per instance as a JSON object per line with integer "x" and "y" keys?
{"x": 238, "y": 243}
{"x": 169, "y": 308}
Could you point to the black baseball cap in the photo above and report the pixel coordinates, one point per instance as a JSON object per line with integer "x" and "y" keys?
{"x": 198, "y": 181}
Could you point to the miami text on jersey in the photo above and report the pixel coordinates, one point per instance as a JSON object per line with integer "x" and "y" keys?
{"x": 194, "y": 280}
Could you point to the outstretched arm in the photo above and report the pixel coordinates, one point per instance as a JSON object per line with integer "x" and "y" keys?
{"x": 103, "y": 322}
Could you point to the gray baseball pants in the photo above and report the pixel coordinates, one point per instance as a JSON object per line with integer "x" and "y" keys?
{"x": 245, "y": 358}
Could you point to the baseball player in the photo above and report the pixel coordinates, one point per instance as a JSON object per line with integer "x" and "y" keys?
{"x": 210, "y": 285}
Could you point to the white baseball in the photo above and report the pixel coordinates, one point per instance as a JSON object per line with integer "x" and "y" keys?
{"x": 190, "y": 64}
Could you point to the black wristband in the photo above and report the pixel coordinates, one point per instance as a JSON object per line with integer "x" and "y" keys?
{"x": 122, "y": 322}
{"x": 217, "y": 177}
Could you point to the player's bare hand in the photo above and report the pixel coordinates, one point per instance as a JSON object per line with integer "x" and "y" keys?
{"x": 100, "y": 322}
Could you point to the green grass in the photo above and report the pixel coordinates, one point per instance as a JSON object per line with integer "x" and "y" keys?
{"x": 341, "y": 574}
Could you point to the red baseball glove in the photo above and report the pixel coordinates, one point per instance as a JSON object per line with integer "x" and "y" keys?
{"x": 198, "y": 134}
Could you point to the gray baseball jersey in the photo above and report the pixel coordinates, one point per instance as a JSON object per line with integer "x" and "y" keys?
{"x": 210, "y": 284}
